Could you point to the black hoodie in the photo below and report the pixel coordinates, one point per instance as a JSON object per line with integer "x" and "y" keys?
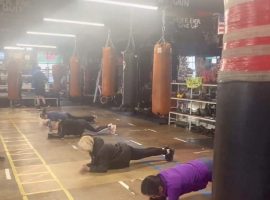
{"x": 109, "y": 156}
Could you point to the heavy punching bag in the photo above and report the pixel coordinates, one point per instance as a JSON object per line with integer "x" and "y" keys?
{"x": 14, "y": 79}
{"x": 75, "y": 77}
{"x": 130, "y": 79}
{"x": 109, "y": 72}
{"x": 161, "y": 88}
{"x": 242, "y": 141}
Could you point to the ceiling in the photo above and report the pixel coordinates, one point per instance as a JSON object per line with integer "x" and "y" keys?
{"x": 19, "y": 16}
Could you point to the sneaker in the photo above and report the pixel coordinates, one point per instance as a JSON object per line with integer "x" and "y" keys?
{"x": 110, "y": 125}
{"x": 113, "y": 129}
{"x": 169, "y": 155}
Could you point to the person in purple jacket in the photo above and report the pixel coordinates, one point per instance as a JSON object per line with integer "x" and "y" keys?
{"x": 178, "y": 180}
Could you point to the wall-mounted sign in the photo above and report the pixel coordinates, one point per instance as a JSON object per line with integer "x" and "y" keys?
{"x": 181, "y": 3}
{"x": 188, "y": 23}
{"x": 13, "y": 6}
{"x": 49, "y": 58}
{"x": 221, "y": 25}
{"x": 194, "y": 82}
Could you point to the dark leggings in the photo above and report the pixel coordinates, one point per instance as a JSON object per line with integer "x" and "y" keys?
{"x": 137, "y": 154}
{"x": 91, "y": 128}
{"x": 86, "y": 118}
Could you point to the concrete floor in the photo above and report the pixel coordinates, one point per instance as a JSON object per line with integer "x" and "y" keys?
{"x": 44, "y": 169}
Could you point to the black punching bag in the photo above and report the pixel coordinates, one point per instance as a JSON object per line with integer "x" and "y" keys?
{"x": 242, "y": 141}
{"x": 130, "y": 79}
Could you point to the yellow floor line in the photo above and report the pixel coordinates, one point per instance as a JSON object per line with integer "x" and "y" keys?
{"x": 26, "y": 174}
{"x": 9, "y": 141}
{"x": 19, "y": 149}
{"x": 44, "y": 191}
{"x": 14, "y": 171}
{"x": 34, "y": 182}
{"x": 14, "y": 145}
{"x": 6, "y": 138}
{"x": 17, "y": 160}
{"x": 31, "y": 166}
{"x": 19, "y": 154}
{"x": 43, "y": 161}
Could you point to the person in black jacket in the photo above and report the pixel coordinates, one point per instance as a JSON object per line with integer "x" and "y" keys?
{"x": 78, "y": 126}
{"x": 51, "y": 118}
{"x": 39, "y": 81}
{"x": 116, "y": 156}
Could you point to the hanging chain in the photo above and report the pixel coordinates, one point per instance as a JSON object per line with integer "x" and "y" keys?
{"x": 163, "y": 25}
{"x": 163, "y": 29}
{"x": 131, "y": 41}
{"x": 109, "y": 42}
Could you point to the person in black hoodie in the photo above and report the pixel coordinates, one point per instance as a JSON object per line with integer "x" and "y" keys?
{"x": 116, "y": 156}
{"x": 78, "y": 126}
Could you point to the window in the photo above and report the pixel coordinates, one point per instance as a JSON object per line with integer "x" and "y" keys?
{"x": 191, "y": 64}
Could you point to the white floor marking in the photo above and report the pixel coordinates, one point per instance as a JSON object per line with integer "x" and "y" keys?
{"x": 8, "y": 176}
{"x": 199, "y": 152}
{"x": 136, "y": 142}
{"x": 180, "y": 140}
{"x": 131, "y": 124}
{"x": 125, "y": 186}
{"x": 152, "y": 130}
{"x": 136, "y": 130}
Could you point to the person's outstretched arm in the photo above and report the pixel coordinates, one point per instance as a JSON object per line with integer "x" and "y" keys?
{"x": 101, "y": 167}
{"x": 99, "y": 156}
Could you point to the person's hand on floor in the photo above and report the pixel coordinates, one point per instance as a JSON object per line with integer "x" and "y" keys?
{"x": 84, "y": 169}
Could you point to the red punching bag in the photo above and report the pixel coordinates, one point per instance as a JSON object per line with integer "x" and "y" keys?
{"x": 75, "y": 77}
{"x": 14, "y": 79}
{"x": 161, "y": 88}
{"x": 108, "y": 72}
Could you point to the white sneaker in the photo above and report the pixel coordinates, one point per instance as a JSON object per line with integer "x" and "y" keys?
{"x": 113, "y": 129}
{"x": 110, "y": 125}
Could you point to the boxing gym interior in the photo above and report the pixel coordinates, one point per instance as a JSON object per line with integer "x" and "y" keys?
{"x": 189, "y": 77}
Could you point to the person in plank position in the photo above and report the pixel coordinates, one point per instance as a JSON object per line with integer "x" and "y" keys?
{"x": 78, "y": 127}
{"x": 178, "y": 180}
{"x": 116, "y": 156}
{"x": 53, "y": 116}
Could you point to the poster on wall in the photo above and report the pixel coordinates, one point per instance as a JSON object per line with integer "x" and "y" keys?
{"x": 49, "y": 58}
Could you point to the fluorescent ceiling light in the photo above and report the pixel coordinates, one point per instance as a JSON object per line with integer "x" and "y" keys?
{"x": 73, "y": 22}
{"x": 13, "y": 48}
{"x": 120, "y": 3}
{"x": 51, "y": 34}
{"x": 37, "y": 46}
